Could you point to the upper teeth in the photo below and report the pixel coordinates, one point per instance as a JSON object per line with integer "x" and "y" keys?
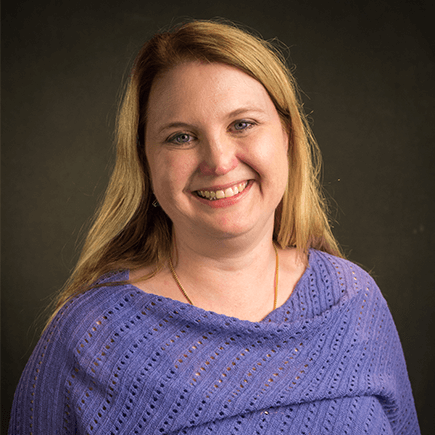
{"x": 225, "y": 193}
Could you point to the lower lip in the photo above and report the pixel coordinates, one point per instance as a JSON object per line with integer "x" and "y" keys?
{"x": 225, "y": 202}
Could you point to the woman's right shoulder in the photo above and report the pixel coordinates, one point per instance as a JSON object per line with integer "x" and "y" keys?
{"x": 105, "y": 302}
{"x": 78, "y": 334}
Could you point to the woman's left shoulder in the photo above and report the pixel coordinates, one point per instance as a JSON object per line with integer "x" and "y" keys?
{"x": 339, "y": 272}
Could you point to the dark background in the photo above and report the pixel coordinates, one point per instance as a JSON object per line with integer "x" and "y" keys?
{"x": 366, "y": 69}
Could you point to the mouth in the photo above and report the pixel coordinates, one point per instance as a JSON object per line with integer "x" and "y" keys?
{"x": 214, "y": 195}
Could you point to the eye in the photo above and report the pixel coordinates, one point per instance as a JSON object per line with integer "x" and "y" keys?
{"x": 242, "y": 125}
{"x": 180, "y": 139}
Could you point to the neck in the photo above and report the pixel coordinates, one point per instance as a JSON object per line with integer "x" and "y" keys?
{"x": 230, "y": 254}
{"x": 229, "y": 276}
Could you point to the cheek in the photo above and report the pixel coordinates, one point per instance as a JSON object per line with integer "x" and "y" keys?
{"x": 170, "y": 174}
{"x": 278, "y": 168}
{"x": 269, "y": 158}
{"x": 158, "y": 172}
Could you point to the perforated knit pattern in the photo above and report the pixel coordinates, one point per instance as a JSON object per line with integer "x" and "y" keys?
{"x": 116, "y": 360}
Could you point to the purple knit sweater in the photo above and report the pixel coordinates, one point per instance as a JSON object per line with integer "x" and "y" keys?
{"x": 116, "y": 360}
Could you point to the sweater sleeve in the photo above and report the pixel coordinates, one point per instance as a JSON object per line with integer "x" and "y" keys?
{"x": 371, "y": 362}
{"x": 396, "y": 393}
{"x": 384, "y": 373}
{"x": 41, "y": 399}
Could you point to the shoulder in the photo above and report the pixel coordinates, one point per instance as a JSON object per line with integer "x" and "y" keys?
{"x": 110, "y": 300}
{"x": 345, "y": 291}
{"x": 342, "y": 277}
{"x": 74, "y": 347}
{"x": 89, "y": 321}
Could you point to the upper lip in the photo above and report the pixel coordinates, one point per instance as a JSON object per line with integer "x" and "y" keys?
{"x": 221, "y": 186}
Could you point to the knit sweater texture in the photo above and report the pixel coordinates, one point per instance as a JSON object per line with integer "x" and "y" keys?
{"x": 116, "y": 360}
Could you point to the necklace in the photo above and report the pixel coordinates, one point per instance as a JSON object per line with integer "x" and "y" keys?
{"x": 275, "y": 295}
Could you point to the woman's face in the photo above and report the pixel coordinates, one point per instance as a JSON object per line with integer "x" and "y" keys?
{"x": 216, "y": 149}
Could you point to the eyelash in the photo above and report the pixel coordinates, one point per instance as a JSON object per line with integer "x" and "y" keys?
{"x": 173, "y": 139}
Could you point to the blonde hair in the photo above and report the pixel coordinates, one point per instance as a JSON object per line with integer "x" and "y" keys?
{"x": 127, "y": 231}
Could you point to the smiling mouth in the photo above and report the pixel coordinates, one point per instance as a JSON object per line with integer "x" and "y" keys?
{"x": 214, "y": 195}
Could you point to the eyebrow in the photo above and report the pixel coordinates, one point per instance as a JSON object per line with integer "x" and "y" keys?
{"x": 232, "y": 114}
{"x": 243, "y": 110}
{"x": 174, "y": 125}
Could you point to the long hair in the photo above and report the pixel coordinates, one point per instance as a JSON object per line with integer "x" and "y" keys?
{"x": 127, "y": 231}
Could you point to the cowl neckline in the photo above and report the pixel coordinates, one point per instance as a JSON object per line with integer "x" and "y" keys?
{"x": 193, "y": 311}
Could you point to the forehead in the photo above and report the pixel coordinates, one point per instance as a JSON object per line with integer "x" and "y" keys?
{"x": 198, "y": 88}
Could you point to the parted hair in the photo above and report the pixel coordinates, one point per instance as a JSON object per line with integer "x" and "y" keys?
{"x": 127, "y": 231}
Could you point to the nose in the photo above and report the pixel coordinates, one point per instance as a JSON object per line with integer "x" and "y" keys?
{"x": 219, "y": 156}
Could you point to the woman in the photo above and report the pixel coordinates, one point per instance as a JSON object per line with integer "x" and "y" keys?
{"x": 211, "y": 296}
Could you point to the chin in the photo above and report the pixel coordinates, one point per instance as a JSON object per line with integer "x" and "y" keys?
{"x": 228, "y": 228}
